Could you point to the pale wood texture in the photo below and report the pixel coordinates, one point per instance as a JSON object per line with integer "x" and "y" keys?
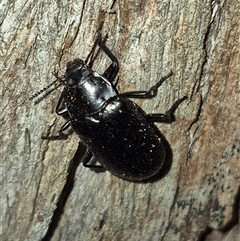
{"x": 199, "y": 41}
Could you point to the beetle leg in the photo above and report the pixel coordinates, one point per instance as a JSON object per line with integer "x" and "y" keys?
{"x": 90, "y": 58}
{"x": 64, "y": 112}
{"x": 146, "y": 94}
{"x": 87, "y": 158}
{"x": 60, "y": 135}
{"x": 59, "y": 109}
{"x": 112, "y": 70}
{"x": 168, "y": 117}
{"x": 92, "y": 55}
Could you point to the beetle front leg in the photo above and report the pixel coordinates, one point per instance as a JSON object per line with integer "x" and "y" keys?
{"x": 61, "y": 135}
{"x": 63, "y": 111}
{"x": 112, "y": 70}
{"x": 168, "y": 117}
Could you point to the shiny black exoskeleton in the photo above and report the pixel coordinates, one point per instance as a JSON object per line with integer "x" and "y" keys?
{"x": 115, "y": 130}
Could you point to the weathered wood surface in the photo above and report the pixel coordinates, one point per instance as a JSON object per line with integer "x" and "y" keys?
{"x": 199, "y": 191}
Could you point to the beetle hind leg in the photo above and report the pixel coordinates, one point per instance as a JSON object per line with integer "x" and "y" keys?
{"x": 87, "y": 158}
{"x": 168, "y": 117}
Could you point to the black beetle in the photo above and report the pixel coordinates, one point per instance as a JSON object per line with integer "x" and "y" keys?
{"x": 115, "y": 130}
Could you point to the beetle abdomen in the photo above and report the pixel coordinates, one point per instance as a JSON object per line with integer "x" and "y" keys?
{"x": 125, "y": 143}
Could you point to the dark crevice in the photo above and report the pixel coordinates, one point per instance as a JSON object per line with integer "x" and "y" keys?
{"x": 196, "y": 88}
{"x": 235, "y": 214}
{"x": 204, "y": 233}
{"x": 229, "y": 225}
{"x": 76, "y": 33}
{"x": 74, "y": 163}
{"x": 80, "y": 22}
{"x": 172, "y": 206}
{"x": 197, "y": 115}
{"x": 205, "y": 40}
{"x": 171, "y": 209}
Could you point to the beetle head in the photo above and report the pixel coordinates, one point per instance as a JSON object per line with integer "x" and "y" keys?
{"x": 76, "y": 71}
{"x": 75, "y": 66}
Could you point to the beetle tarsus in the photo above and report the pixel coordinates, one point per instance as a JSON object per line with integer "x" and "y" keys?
{"x": 168, "y": 117}
{"x": 152, "y": 92}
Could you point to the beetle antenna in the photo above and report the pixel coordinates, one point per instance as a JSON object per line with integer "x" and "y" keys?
{"x": 58, "y": 82}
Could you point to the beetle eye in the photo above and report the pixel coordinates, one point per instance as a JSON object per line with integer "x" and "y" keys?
{"x": 70, "y": 82}
{"x": 74, "y": 65}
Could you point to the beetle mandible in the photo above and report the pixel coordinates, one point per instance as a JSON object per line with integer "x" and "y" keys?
{"x": 116, "y": 131}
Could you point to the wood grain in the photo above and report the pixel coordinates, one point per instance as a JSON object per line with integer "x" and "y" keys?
{"x": 199, "y": 191}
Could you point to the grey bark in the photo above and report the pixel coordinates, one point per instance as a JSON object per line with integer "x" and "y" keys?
{"x": 199, "y": 41}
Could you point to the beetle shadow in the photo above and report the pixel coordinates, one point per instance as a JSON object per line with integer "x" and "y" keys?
{"x": 69, "y": 184}
{"x": 73, "y": 165}
{"x": 167, "y": 162}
